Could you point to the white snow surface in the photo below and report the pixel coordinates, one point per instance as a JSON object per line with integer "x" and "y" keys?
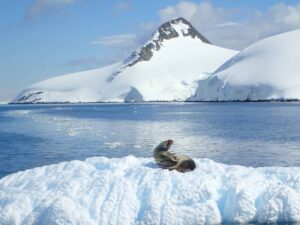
{"x": 268, "y": 69}
{"x": 171, "y": 74}
{"x": 134, "y": 190}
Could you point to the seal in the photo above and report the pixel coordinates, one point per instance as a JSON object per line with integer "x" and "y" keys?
{"x": 162, "y": 156}
{"x": 172, "y": 161}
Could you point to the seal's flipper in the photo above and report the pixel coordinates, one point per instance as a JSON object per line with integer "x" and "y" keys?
{"x": 167, "y": 164}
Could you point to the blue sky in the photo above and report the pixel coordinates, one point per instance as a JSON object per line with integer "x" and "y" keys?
{"x": 44, "y": 38}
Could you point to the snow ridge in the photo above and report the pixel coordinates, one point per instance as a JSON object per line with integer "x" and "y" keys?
{"x": 134, "y": 190}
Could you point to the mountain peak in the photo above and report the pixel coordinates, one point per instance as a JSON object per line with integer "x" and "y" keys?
{"x": 171, "y": 29}
{"x": 176, "y": 28}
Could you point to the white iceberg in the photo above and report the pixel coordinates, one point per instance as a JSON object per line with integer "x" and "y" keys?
{"x": 134, "y": 190}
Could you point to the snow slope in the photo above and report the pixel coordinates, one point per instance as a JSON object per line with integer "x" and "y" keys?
{"x": 134, "y": 191}
{"x": 268, "y": 69}
{"x": 166, "y": 68}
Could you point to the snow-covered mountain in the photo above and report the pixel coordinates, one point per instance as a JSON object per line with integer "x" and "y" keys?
{"x": 267, "y": 70}
{"x": 166, "y": 68}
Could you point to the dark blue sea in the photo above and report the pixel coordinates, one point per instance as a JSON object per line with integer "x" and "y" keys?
{"x": 250, "y": 134}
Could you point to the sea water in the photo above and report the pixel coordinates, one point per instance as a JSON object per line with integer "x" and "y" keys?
{"x": 248, "y": 134}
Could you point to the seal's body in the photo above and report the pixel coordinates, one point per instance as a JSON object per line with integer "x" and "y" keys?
{"x": 172, "y": 161}
{"x": 184, "y": 164}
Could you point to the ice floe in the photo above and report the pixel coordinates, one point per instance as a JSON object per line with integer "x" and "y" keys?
{"x": 134, "y": 190}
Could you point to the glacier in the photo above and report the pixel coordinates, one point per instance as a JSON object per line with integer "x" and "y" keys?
{"x": 134, "y": 190}
{"x": 267, "y": 70}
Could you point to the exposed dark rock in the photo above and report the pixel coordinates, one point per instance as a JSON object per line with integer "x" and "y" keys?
{"x": 165, "y": 32}
{"x": 133, "y": 96}
{"x": 26, "y": 97}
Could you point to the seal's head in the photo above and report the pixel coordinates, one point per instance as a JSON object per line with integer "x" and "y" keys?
{"x": 165, "y": 145}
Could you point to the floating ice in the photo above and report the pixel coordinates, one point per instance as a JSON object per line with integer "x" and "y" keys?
{"x": 134, "y": 191}
{"x": 114, "y": 145}
{"x": 19, "y": 112}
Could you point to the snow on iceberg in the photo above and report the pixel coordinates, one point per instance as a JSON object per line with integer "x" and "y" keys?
{"x": 133, "y": 190}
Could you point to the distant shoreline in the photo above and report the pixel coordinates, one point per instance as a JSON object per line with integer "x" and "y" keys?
{"x": 142, "y": 102}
